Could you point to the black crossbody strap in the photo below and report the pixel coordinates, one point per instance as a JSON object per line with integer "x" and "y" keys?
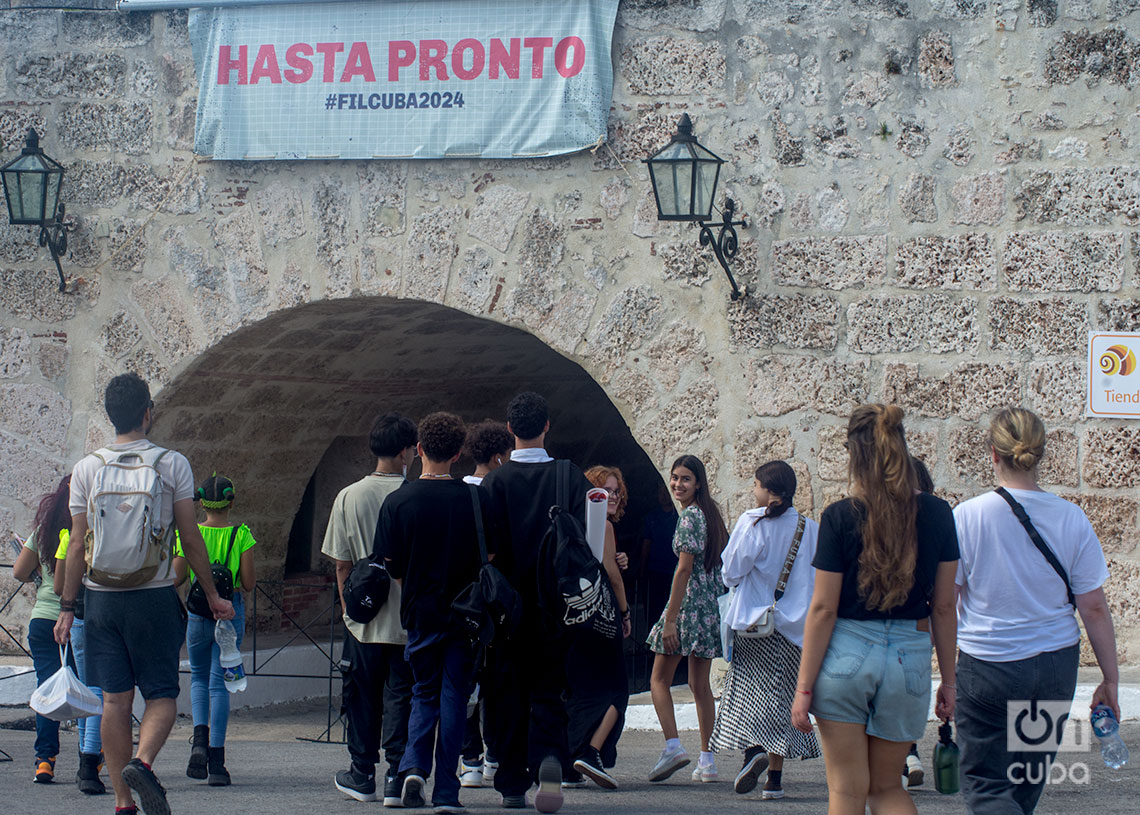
{"x": 230, "y": 548}
{"x": 563, "y": 483}
{"x": 475, "y": 504}
{"x": 1035, "y": 536}
{"x": 786, "y": 572}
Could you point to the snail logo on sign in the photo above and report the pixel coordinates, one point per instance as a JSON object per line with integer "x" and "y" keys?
{"x": 1114, "y": 381}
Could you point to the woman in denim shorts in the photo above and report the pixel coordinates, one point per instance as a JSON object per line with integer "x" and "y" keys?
{"x": 884, "y": 587}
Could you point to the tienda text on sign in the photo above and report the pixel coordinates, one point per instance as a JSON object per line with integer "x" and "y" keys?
{"x": 466, "y": 59}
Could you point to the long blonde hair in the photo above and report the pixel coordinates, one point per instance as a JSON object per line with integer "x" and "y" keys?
{"x": 1018, "y": 436}
{"x": 884, "y": 484}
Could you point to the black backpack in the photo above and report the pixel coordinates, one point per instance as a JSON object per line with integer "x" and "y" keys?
{"x": 366, "y": 589}
{"x": 196, "y": 602}
{"x": 572, "y": 585}
{"x": 489, "y": 609}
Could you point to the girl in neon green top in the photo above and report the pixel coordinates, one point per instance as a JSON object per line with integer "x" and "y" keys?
{"x": 209, "y": 699}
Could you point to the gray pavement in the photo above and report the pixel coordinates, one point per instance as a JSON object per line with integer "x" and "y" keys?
{"x": 275, "y": 773}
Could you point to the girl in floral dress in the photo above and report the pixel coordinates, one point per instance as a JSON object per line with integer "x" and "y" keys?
{"x": 690, "y": 624}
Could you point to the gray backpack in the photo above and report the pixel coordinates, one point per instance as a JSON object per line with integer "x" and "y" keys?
{"x": 126, "y": 544}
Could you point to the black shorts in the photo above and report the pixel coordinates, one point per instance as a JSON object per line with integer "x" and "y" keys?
{"x": 134, "y": 638}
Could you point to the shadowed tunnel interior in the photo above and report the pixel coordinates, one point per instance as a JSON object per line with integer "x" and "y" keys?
{"x": 284, "y": 407}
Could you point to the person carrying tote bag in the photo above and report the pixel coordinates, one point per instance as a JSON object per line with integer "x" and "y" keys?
{"x": 767, "y": 563}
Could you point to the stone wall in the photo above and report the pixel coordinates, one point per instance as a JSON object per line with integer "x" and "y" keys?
{"x": 942, "y": 198}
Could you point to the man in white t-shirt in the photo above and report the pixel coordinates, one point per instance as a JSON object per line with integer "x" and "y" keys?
{"x": 134, "y": 635}
{"x": 377, "y": 694}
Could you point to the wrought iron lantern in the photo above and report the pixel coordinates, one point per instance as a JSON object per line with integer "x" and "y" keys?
{"x": 684, "y": 175}
{"x": 32, "y": 182}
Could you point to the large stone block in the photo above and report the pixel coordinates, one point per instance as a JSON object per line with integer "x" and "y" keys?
{"x": 679, "y": 347}
{"x": 85, "y": 75}
{"x": 380, "y": 271}
{"x": 383, "y": 197}
{"x": 15, "y": 352}
{"x": 979, "y": 199}
{"x": 239, "y": 246}
{"x": 916, "y": 198}
{"x": 792, "y": 320}
{"x": 25, "y": 471}
{"x": 433, "y": 245}
{"x": 685, "y": 262}
{"x": 935, "y": 323}
{"x": 635, "y": 133}
{"x": 1080, "y": 196}
{"x": 37, "y": 413}
{"x": 631, "y": 318}
{"x": 672, "y": 66}
{"x": 18, "y": 243}
{"x": 329, "y": 211}
{"x": 936, "y": 60}
{"x": 31, "y": 29}
{"x": 281, "y": 212}
{"x": 15, "y": 119}
{"x": 119, "y": 334}
{"x": 697, "y": 15}
{"x": 128, "y": 245}
{"x": 1111, "y": 457}
{"x": 1113, "y": 518}
{"x": 960, "y": 145}
{"x": 830, "y": 263}
{"x": 680, "y": 427}
{"x": 33, "y": 294}
{"x": 93, "y": 184}
{"x": 832, "y": 454}
{"x": 475, "y": 279}
{"x": 125, "y": 127}
{"x": 1052, "y": 325}
{"x": 1118, "y": 314}
{"x": 969, "y": 391}
{"x": 496, "y": 215}
{"x": 947, "y": 262}
{"x": 52, "y": 357}
{"x": 1059, "y": 465}
{"x": 96, "y": 30}
{"x": 781, "y": 384}
{"x": 754, "y": 446}
{"x": 1056, "y": 390}
{"x": 968, "y": 458}
{"x": 160, "y": 302}
{"x": 866, "y": 90}
{"x": 1064, "y": 261}
{"x": 541, "y": 250}
{"x": 1112, "y": 54}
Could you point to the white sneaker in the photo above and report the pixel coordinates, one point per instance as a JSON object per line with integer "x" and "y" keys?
{"x": 706, "y": 774}
{"x": 669, "y": 763}
{"x": 471, "y": 775}
{"x": 914, "y": 774}
{"x": 489, "y": 770}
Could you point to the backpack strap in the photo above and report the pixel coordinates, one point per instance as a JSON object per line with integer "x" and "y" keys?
{"x": 230, "y": 548}
{"x": 1035, "y": 536}
{"x": 477, "y": 506}
{"x": 786, "y": 572}
{"x": 562, "y": 483}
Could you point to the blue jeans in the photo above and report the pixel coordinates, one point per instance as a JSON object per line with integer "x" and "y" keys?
{"x": 442, "y": 669}
{"x": 45, "y": 659}
{"x": 90, "y": 739}
{"x": 209, "y": 699}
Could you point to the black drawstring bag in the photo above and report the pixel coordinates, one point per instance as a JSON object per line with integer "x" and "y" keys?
{"x": 196, "y": 602}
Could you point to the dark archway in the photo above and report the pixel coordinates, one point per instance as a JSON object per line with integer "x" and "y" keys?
{"x": 284, "y": 406}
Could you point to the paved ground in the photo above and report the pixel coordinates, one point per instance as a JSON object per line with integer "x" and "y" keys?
{"x": 275, "y": 773}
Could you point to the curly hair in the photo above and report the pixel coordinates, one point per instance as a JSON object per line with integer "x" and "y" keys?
{"x": 527, "y": 414}
{"x": 126, "y": 400}
{"x": 599, "y": 475}
{"x": 884, "y": 483}
{"x": 487, "y": 440}
{"x": 442, "y": 435}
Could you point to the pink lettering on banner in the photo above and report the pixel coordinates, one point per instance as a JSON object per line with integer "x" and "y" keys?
{"x": 507, "y": 60}
{"x": 478, "y": 59}
{"x": 538, "y": 46}
{"x": 359, "y": 63}
{"x": 301, "y": 68}
{"x": 568, "y": 69}
{"x": 329, "y": 50}
{"x": 432, "y": 53}
{"x": 226, "y": 64}
{"x": 265, "y": 66}
{"x": 401, "y": 54}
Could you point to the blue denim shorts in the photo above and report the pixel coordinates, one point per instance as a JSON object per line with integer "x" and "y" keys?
{"x": 876, "y": 673}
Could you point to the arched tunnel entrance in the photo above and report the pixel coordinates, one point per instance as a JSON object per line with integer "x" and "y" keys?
{"x": 284, "y": 406}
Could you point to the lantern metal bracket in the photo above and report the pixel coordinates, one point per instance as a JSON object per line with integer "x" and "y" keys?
{"x": 53, "y": 235}
{"x": 726, "y": 243}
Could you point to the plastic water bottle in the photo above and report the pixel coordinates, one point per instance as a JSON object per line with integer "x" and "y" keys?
{"x": 232, "y": 671}
{"x": 1112, "y": 748}
{"x": 946, "y": 761}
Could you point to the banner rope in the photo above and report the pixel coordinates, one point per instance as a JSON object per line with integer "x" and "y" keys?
{"x": 602, "y": 141}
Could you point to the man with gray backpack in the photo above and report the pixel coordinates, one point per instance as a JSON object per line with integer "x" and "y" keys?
{"x": 127, "y": 499}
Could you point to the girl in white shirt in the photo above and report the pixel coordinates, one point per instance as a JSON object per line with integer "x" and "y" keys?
{"x": 755, "y": 707}
{"x": 1018, "y": 636}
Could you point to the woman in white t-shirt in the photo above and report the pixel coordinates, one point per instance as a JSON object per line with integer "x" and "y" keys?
{"x": 1018, "y": 636}
{"x": 755, "y": 708}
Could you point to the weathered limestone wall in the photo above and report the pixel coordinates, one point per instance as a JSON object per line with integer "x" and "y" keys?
{"x": 943, "y": 197}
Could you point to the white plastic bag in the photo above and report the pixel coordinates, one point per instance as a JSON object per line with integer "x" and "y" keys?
{"x": 726, "y": 634}
{"x": 62, "y": 696}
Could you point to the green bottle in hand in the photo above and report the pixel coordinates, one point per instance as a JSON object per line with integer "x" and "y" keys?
{"x": 946, "y": 761}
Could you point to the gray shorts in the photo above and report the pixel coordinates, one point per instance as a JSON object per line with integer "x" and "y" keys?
{"x": 134, "y": 638}
{"x": 876, "y": 673}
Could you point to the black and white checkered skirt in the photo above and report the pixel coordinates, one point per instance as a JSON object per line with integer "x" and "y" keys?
{"x": 756, "y": 704}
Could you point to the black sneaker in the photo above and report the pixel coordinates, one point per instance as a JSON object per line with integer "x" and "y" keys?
{"x": 141, "y": 779}
{"x": 356, "y": 784}
{"x": 590, "y": 765}
{"x": 393, "y": 791}
{"x": 755, "y": 762}
{"x": 412, "y": 794}
{"x": 514, "y": 801}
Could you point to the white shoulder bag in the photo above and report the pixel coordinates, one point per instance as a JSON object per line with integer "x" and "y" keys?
{"x": 765, "y": 622}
